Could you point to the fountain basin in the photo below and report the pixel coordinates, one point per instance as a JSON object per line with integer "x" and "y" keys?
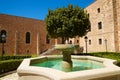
{"x": 27, "y": 72}
{"x": 78, "y": 64}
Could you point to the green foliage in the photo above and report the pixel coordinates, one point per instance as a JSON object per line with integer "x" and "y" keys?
{"x": 9, "y": 65}
{"x": 110, "y": 55}
{"x": 14, "y": 57}
{"x": 67, "y": 22}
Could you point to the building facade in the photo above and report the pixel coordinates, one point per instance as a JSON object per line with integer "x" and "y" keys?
{"x": 29, "y": 36}
{"x": 23, "y": 35}
{"x": 104, "y": 35}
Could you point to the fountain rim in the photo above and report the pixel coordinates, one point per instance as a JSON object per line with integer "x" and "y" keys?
{"x": 63, "y": 46}
{"x": 110, "y": 68}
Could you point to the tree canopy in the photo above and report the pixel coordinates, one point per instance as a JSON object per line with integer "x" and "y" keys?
{"x": 67, "y": 22}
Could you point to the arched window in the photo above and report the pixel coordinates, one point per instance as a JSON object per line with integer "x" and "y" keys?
{"x": 27, "y": 37}
{"x": 77, "y": 41}
{"x": 3, "y": 35}
{"x": 70, "y": 42}
{"x": 47, "y": 39}
{"x": 100, "y": 41}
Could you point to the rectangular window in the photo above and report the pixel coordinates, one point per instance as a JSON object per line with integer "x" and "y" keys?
{"x": 88, "y": 15}
{"x": 89, "y": 42}
{"x": 99, "y": 25}
{"x": 89, "y": 28}
{"x": 77, "y": 41}
{"x": 100, "y": 41}
{"x": 98, "y": 10}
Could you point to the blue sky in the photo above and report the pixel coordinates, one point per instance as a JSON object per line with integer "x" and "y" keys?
{"x": 36, "y": 9}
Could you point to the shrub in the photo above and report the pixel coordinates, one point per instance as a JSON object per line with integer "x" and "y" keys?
{"x": 110, "y": 55}
{"x": 14, "y": 57}
{"x": 9, "y": 65}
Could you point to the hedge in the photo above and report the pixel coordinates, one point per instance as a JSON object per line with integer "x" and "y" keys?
{"x": 14, "y": 57}
{"x": 9, "y": 65}
{"x": 110, "y": 55}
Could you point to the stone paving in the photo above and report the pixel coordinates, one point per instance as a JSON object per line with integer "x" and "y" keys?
{"x": 12, "y": 76}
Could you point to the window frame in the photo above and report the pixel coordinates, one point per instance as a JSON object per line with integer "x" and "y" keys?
{"x": 89, "y": 42}
{"x": 99, "y": 25}
{"x": 47, "y": 39}
{"x": 98, "y": 10}
{"x": 28, "y": 38}
{"x": 100, "y": 41}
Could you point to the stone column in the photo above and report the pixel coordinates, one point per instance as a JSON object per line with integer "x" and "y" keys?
{"x": 16, "y": 43}
{"x": 115, "y": 25}
{"x": 38, "y": 43}
{"x": 55, "y": 41}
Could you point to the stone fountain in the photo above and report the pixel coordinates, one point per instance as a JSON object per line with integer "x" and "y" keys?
{"x": 109, "y": 71}
{"x": 66, "y": 49}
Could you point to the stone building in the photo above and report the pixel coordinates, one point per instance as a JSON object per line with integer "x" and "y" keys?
{"x": 23, "y": 35}
{"x": 104, "y": 35}
{"x": 29, "y": 36}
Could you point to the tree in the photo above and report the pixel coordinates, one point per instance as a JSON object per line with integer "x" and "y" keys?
{"x": 67, "y": 22}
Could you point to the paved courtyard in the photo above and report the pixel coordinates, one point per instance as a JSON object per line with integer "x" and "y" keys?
{"x": 12, "y": 76}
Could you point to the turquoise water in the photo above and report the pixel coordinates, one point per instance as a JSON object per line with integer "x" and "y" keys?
{"x": 78, "y": 65}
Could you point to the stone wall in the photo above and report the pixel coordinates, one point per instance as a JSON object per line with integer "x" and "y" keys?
{"x": 16, "y": 28}
{"x": 118, "y": 20}
{"x": 106, "y": 34}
